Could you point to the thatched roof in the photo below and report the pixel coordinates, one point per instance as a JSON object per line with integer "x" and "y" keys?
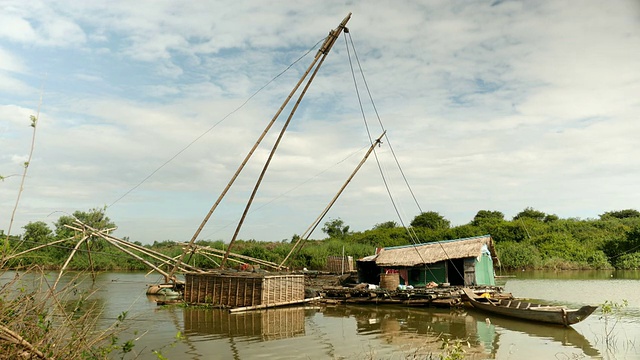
{"x": 429, "y": 253}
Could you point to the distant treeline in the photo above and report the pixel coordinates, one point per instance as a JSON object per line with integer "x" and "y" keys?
{"x": 531, "y": 240}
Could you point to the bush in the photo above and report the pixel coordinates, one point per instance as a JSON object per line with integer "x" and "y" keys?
{"x": 37, "y": 322}
{"x": 515, "y": 255}
{"x": 629, "y": 261}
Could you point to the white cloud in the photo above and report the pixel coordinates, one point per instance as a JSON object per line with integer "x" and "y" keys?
{"x": 488, "y": 107}
{"x": 16, "y": 28}
{"x": 40, "y": 23}
{"x": 9, "y": 62}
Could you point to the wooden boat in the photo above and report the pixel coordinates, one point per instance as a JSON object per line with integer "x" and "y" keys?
{"x": 550, "y": 314}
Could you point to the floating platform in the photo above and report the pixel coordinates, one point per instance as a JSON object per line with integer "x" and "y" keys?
{"x": 437, "y": 297}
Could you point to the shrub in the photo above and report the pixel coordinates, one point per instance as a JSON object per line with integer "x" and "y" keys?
{"x": 629, "y": 261}
{"x": 37, "y": 322}
{"x": 515, "y": 255}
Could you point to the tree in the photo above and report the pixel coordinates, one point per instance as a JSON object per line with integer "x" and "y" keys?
{"x": 385, "y": 225}
{"x": 530, "y": 213}
{"x": 430, "y": 220}
{"x": 620, "y": 214}
{"x": 95, "y": 218}
{"x": 483, "y": 216}
{"x": 335, "y": 228}
{"x": 37, "y": 232}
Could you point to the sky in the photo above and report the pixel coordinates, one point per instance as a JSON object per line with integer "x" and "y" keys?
{"x": 147, "y": 108}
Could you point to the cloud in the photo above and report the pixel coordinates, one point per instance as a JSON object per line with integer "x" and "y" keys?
{"x": 39, "y": 23}
{"x": 487, "y": 107}
{"x": 9, "y": 62}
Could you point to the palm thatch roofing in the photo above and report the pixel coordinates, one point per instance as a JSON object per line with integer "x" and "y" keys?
{"x": 433, "y": 252}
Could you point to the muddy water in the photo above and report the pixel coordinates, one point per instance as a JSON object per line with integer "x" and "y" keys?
{"x": 382, "y": 332}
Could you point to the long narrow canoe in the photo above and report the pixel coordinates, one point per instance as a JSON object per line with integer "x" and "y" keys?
{"x": 530, "y": 311}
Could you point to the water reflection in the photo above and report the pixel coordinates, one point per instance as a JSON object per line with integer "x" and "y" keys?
{"x": 264, "y": 325}
{"x": 357, "y": 332}
{"x": 566, "y": 336}
{"x": 413, "y": 331}
{"x": 421, "y": 331}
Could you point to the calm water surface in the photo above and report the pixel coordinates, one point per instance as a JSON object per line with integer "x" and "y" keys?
{"x": 378, "y": 332}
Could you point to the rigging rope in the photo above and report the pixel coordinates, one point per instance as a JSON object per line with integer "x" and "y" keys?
{"x": 414, "y": 240}
{"x": 375, "y": 109}
{"x": 412, "y": 234}
{"x": 216, "y": 124}
{"x": 384, "y": 180}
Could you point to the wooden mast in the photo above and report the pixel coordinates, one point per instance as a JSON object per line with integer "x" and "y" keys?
{"x": 322, "y": 54}
{"x": 324, "y": 50}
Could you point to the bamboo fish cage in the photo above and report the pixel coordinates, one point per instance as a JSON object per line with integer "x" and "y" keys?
{"x": 340, "y": 264}
{"x": 243, "y": 289}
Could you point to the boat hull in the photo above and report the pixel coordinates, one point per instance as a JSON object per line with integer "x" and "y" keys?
{"x": 530, "y": 311}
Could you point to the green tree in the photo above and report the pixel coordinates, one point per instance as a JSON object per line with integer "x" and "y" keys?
{"x": 335, "y": 228}
{"x": 515, "y": 255}
{"x": 484, "y": 216}
{"x": 385, "y": 225}
{"x": 37, "y": 232}
{"x": 620, "y": 214}
{"x": 430, "y": 220}
{"x": 96, "y": 218}
{"x": 530, "y": 213}
{"x": 629, "y": 261}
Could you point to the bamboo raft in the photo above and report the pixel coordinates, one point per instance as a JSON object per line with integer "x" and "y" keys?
{"x": 437, "y": 297}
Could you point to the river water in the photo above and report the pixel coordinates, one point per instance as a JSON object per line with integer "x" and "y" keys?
{"x": 378, "y": 332}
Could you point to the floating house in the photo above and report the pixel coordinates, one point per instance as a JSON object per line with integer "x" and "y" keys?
{"x": 459, "y": 262}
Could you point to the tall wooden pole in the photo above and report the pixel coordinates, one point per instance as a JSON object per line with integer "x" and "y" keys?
{"x": 322, "y": 55}
{"x": 324, "y": 49}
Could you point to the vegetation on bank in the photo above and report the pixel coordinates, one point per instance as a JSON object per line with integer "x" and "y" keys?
{"x": 531, "y": 240}
{"x": 41, "y": 322}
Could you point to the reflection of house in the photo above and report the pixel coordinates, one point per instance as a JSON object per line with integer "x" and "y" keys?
{"x": 420, "y": 333}
{"x": 462, "y": 262}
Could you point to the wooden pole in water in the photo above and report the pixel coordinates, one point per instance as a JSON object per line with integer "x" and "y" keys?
{"x": 73, "y": 252}
{"x": 322, "y": 55}
{"x": 166, "y": 260}
{"x": 135, "y": 256}
{"x": 37, "y": 247}
{"x": 93, "y": 274}
{"x": 212, "y": 251}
